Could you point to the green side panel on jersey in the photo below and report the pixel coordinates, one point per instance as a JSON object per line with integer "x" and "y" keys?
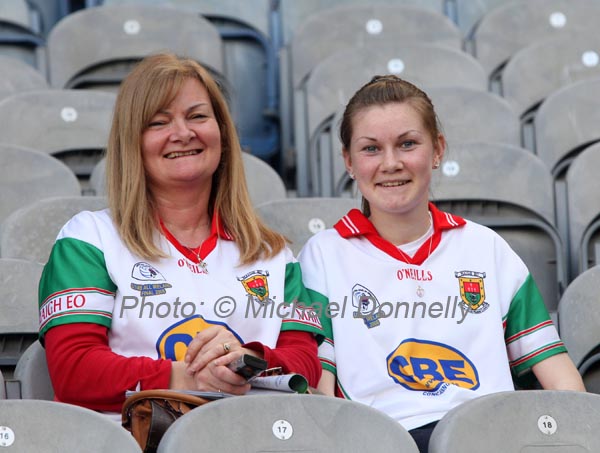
{"x": 527, "y": 309}
{"x": 296, "y": 292}
{"x": 74, "y": 264}
{"x": 320, "y": 303}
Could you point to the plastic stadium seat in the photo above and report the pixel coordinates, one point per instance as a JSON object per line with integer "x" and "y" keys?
{"x": 250, "y": 57}
{"x": 583, "y": 187}
{"x": 468, "y": 13}
{"x": 264, "y": 183}
{"x": 537, "y": 70}
{"x": 49, "y": 12}
{"x": 566, "y": 122}
{"x": 286, "y": 423}
{"x": 112, "y": 38}
{"x": 579, "y": 316}
{"x": 356, "y": 26}
{"x": 491, "y": 183}
{"x": 299, "y": 218}
{"x": 512, "y": 26}
{"x": 19, "y": 36}
{"x": 292, "y": 13}
{"x": 17, "y": 76}
{"x": 52, "y": 427}
{"x": 27, "y": 176}
{"x": 19, "y": 315}
{"x": 72, "y": 125}
{"x": 2, "y": 388}
{"x": 521, "y": 421}
{"x": 335, "y": 79}
{"x": 32, "y": 374}
{"x": 459, "y": 110}
{"x": 29, "y": 233}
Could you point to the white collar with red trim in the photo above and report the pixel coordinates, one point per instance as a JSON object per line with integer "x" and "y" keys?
{"x": 355, "y": 224}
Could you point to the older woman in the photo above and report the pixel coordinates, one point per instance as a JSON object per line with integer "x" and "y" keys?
{"x": 173, "y": 281}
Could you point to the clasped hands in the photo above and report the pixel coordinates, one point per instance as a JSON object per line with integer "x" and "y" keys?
{"x": 205, "y": 368}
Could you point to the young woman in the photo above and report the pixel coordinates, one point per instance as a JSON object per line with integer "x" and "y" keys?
{"x": 426, "y": 309}
{"x": 166, "y": 287}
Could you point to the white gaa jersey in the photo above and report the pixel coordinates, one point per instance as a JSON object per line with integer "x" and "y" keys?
{"x": 155, "y": 308}
{"x": 416, "y": 336}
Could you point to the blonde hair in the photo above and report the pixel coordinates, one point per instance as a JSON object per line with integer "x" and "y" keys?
{"x": 151, "y": 86}
{"x": 382, "y": 90}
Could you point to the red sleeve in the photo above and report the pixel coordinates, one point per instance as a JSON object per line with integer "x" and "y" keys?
{"x": 85, "y": 371}
{"x": 295, "y": 352}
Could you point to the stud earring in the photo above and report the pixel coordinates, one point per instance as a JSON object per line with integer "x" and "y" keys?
{"x": 436, "y": 165}
{"x": 351, "y": 175}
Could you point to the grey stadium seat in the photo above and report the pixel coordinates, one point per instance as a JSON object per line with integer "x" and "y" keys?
{"x": 299, "y": 218}
{"x": 32, "y": 375}
{"x": 537, "y": 70}
{"x": 579, "y": 315}
{"x": 264, "y": 183}
{"x": 468, "y": 13}
{"x": 583, "y": 187}
{"x": 19, "y": 315}
{"x": 459, "y": 110}
{"x": 52, "y": 427}
{"x": 27, "y": 175}
{"x": 17, "y": 76}
{"x": 491, "y": 183}
{"x": 529, "y": 22}
{"x": 356, "y": 27}
{"x": 72, "y": 125}
{"x": 19, "y": 37}
{"x": 335, "y": 79}
{"x": 566, "y": 122}
{"x": 29, "y": 233}
{"x": 286, "y": 423}
{"x": 292, "y": 13}
{"x": 111, "y": 38}
{"x": 521, "y": 421}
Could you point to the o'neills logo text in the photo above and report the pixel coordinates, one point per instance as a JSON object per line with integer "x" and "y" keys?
{"x": 418, "y": 275}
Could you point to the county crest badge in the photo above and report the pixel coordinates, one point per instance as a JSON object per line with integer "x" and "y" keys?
{"x": 257, "y": 286}
{"x": 472, "y": 291}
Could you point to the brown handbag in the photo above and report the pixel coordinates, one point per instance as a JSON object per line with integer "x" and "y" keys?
{"x": 149, "y": 413}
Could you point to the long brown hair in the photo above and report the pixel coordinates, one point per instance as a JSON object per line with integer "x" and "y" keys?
{"x": 151, "y": 86}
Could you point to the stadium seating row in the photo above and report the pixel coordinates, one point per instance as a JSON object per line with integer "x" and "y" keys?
{"x": 500, "y": 422}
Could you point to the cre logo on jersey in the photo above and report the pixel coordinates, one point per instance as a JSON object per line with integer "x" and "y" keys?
{"x": 173, "y": 342}
{"x": 472, "y": 291}
{"x": 257, "y": 286}
{"x": 428, "y": 366}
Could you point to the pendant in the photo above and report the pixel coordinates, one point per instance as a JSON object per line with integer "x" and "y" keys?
{"x": 420, "y": 291}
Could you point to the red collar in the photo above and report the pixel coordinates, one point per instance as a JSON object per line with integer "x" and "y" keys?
{"x": 216, "y": 231}
{"x": 355, "y": 224}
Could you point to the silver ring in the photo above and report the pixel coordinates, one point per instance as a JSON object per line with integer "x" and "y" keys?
{"x": 226, "y": 347}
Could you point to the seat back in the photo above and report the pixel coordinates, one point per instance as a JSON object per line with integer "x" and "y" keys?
{"x": 579, "y": 318}
{"x": 583, "y": 204}
{"x": 541, "y": 68}
{"x": 29, "y": 175}
{"x": 287, "y": 423}
{"x": 111, "y": 38}
{"x": 490, "y": 183}
{"x": 73, "y": 125}
{"x": 528, "y": 22}
{"x": 52, "y": 427}
{"x": 299, "y": 218}
{"x": 30, "y": 232}
{"x": 32, "y": 374}
{"x": 17, "y": 76}
{"x": 520, "y": 421}
{"x": 19, "y": 314}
